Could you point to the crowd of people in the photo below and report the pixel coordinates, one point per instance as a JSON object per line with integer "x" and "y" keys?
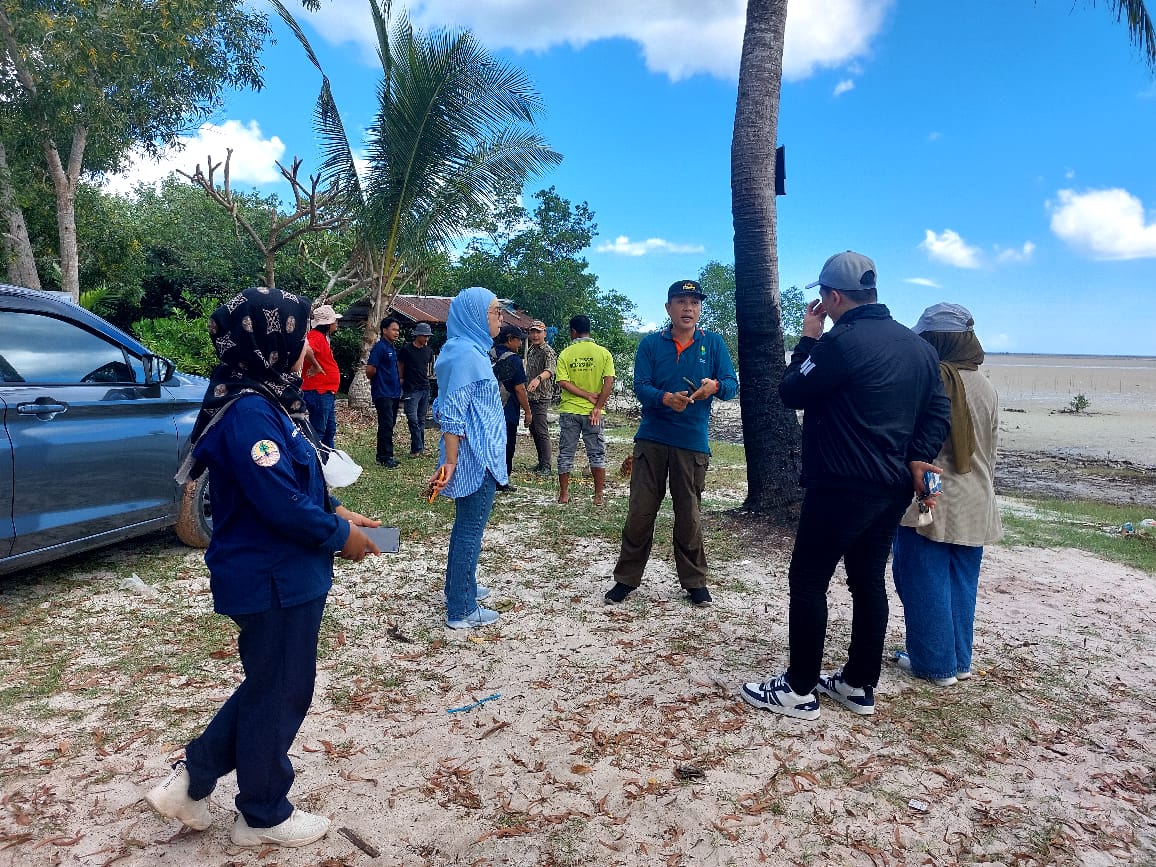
{"x": 898, "y": 450}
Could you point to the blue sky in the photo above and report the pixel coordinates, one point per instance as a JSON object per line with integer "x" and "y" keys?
{"x": 996, "y": 154}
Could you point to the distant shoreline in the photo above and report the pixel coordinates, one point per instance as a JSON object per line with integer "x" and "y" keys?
{"x": 990, "y": 355}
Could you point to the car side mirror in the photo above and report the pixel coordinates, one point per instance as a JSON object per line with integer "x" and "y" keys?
{"x": 158, "y": 370}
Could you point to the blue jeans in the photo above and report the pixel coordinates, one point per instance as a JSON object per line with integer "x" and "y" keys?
{"x": 255, "y": 727}
{"x": 472, "y": 512}
{"x": 937, "y": 583}
{"x": 416, "y": 408}
{"x": 321, "y": 414}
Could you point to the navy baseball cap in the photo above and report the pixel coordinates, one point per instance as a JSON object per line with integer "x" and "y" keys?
{"x": 684, "y": 287}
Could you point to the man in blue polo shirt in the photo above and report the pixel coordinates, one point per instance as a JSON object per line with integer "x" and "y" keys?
{"x": 677, "y": 373}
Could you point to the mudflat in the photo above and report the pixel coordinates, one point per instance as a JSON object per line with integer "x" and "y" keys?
{"x": 1036, "y": 394}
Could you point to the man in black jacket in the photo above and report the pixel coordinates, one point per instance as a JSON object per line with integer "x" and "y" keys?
{"x": 875, "y": 415}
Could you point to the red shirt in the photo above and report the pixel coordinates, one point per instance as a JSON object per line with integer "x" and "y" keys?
{"x": 330, "y": 379}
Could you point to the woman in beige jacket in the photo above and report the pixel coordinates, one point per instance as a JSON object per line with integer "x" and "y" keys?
{"x": 936, "y": 565}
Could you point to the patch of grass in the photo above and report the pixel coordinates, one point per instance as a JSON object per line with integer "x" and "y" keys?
{"x": 1084, "y": 525}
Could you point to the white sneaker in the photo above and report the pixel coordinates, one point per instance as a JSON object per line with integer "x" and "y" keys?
{"x": 300, "y": 829}
{"x": 478, "y": 617}
{"x": 171, "y": 799}
{"x": 860, "y": 699}
{"x": 903, "y": 660}
{"x": 776, "y": 695}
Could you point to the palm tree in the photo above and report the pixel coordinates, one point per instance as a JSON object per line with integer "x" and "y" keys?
{"x": 770, "y": 431}
{"x": 453, "y": 129}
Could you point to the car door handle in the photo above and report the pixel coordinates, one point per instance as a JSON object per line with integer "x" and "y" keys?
{"x": 42, "y": 409}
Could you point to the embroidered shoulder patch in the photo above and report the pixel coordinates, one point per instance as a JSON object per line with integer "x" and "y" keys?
{"x": 265, "y": 453}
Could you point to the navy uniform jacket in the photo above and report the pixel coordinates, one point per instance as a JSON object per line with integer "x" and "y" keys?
{"x": 273, "y": 537}
{"x": 872, "y": 400}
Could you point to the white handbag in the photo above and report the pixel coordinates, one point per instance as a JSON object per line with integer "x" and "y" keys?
{"x": 338, "y": 467}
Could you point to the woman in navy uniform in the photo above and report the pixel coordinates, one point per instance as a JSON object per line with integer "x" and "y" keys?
{"x": 276, "y": 530}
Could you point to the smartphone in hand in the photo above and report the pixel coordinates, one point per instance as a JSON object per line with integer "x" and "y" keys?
{"x": 388, "y": 539}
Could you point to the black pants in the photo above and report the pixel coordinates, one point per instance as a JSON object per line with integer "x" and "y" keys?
{"x": 511, "y": 444}
{"x": 838, "y": 523}
{"x": 387, "y": 408}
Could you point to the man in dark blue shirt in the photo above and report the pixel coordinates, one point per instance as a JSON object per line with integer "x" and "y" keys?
{"x": 385, "y": 386}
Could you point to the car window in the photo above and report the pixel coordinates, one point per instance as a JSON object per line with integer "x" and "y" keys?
{"x": 41, "y": 349}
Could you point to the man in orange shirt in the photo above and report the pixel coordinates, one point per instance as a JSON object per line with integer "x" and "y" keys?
{"x": 321, "y": 378}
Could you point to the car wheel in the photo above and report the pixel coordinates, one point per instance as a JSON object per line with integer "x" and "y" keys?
{"x": 195, "y": 518}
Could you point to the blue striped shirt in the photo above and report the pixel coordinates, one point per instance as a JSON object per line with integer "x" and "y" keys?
{"x": 475, "y": 414}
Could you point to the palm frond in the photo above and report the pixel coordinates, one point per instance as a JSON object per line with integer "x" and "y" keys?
{"x": 1140, "y": 27}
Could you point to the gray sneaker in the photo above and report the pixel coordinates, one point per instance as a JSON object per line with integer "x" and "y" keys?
{"x": 478, "y": 617}
{"x": 171, "y": 799}
{"x": 300, "y": 829}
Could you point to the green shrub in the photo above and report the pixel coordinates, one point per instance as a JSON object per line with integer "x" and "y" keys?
{"x": 181, "y": 337}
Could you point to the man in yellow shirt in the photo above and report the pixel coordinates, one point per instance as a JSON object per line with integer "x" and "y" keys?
{"x": 586, "y": 376}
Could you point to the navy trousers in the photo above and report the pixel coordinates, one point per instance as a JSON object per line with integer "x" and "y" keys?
{"x": 253, "y": 730}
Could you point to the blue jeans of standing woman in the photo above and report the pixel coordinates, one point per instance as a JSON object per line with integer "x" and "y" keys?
{"x": 472, "y": 512}
{"x": 937, "y": 583}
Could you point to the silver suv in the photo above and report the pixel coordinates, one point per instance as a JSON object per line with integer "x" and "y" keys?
{"x": 92, "y": 429}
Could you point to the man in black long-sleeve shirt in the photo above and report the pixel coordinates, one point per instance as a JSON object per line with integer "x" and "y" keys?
{"x": 874, "y": 416}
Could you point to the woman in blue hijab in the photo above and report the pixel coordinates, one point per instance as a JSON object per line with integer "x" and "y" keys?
{"x": 472, "y": 454}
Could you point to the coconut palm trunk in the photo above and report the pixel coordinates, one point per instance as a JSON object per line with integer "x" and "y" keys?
{"x": 770, "y": 430}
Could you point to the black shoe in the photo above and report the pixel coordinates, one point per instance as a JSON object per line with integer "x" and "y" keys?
{"x": 389, "y": 464}
{"x": 506, "y": 489}
{"x": 617, "y": 594}
{"x": 699, "y": 596}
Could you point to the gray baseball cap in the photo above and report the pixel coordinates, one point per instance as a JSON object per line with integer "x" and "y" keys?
{"x": 847, "y": 272}
{"x": 945, "y": 317}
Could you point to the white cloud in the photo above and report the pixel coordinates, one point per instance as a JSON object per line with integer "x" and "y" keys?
{"x": 997, "y": 342}
{"x": 679, "y": 38}
{"x": 254, "y": 157}
{"x": 1070, "y": 173}
{"x": 934, "y": 136}
{"x": 1104, "y": 224}
{"x": 843, "y": 86}
{"x": 1023, "y": 254}
{"x": 950, "y": 249}
{"x": 922, "y": 281}
{"x": 622, "y": 245}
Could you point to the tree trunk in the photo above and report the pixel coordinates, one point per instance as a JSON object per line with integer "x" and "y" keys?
{"x": 770, "y": 430}
{"x": 359, "y": 390}
{"x": 17, "y": 245}
{"x": 64, "y": 181}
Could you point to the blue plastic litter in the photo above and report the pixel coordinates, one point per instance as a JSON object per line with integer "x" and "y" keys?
{"x": 478, "y": 703}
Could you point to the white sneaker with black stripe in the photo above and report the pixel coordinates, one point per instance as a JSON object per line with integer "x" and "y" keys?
{"x": 860, "y": 699}
{"x": 776, "y": 695}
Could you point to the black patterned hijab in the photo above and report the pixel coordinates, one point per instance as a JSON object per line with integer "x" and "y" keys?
{"x": 258, "y": 335}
